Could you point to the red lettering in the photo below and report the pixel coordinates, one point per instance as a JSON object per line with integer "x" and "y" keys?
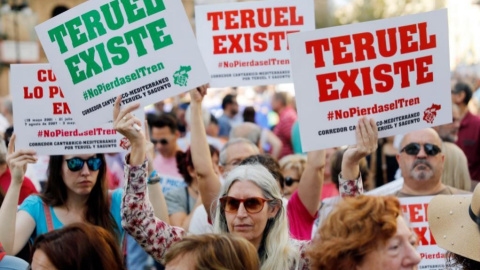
{"x": 280, "y": 19}
{"x": 324, "y": 87}
{"x": 404, "y": 67}
{"x": 382, "y": 42}
{"x": 276, "y": 36}
{"x": 339, "y": 49}
{"x": 264, "y": 17}
{"x": 230, "y": 22}
{"x": 367, "y": 81}
{"x": 317, "y": 47}
{"x": 421, "y": 235}
{"x": 55, "y": 90}
{"x": 415, "y": 215}
{"x": 364, "y": 44}
{"x": 218, "y": 44}
{"x": 294, "y": 20}
{"x": 61, "y": 108}
{"x": 46, "y": 75}
{"x": 247, "y": 18}
{"x": 349, "y": 84}
{"x": 37, "y": 92}
{"x": 235, "y": 43}
{"x": 406, "y": 43}
{"x": 215, "y": 16}
{"x": 262, "y": 44}
{"x": 424, "y": 44}
{"x": 422, "y": 63}
{"x": 379, "y": 73}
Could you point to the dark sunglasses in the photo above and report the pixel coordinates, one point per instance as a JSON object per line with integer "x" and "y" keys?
{"x": 161, "y": 141}
{"x": 253, "y": 205}
{"x": 414, "y": 148}
{"x": 76, "y": 164}
{"x": 289, "y": 181}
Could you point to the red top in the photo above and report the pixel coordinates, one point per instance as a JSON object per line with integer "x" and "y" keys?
{"x": 283, "y": 130}
{"x": 300, "y": 220}
{"x": 26, "y": 189}
{"x": 2, "y": 252}
{"x": 468, "y": 141}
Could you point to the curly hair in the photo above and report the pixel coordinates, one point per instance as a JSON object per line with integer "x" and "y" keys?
{"x": 459, "y": 262}
{"x": 355, "y": 228}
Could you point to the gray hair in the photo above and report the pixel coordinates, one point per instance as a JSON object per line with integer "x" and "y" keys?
{"x": 249, "y": 131}
{"x": 222, "y": 159}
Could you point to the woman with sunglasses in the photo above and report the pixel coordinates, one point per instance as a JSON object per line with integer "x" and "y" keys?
{"x": 249, "y": 204}
{"x": 76, "y": 191}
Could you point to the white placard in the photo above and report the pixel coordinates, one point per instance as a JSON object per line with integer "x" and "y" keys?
{"x": 246, "y": 43}
{"x": 394, "y": 70}
{"x": 43, "y": 119}
{"x": 144, "y": 50}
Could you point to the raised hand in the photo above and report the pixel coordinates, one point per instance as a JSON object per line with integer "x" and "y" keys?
{"x": 198, "y": 93}
{"x": 124, "y": 122}
{"x": 17, "y": 160}
{"x": 366, "y": 133}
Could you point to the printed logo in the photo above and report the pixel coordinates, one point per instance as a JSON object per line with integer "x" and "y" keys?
{"x": 430, "y": 113}
{"x": 180, "y": 76}
{"x": 124, "y": 143}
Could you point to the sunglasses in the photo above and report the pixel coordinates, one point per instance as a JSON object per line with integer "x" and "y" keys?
{"x": 414, "y": 148}
{"x": 161, "y": 141}
{"x": 289, "y": 181}
{"x": 253, "y": 205}
{"x": 76, "y": 164}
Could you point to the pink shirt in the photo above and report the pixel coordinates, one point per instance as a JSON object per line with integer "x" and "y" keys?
{"x": 329, "y": 190}
{"x": 166, "y": 166}
{"x": 299, "y": 219}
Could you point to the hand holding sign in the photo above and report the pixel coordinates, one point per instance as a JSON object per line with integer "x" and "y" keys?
{"x": 366, "y": 133}
{"x": 124, "y": 122}
{"x": 18, "y": 160}
{"x": 198, "y": 93}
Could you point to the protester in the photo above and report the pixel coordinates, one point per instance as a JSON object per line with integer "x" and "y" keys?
{"x": 292, "y": 167}
{"x": 78, "y": 246}
{"x": 227, "y": 120}
{"x": 455, "y": 224}
{"x": 239, "y": 208}
{"x": 164, "y": 137}
{"x": 182, "y": 202}
{"x": 27, "y": 187}
{"x": 421, "y": 161}
{"x": 365, "y": 232}
{"x": 287, "y": 116}
{"x": 233, "y": 152}
{"x": 469, "y": 131}
{"x": 76, "y": 191}
{"x": 449, "y": 132}
{"x": 213, "y": 252}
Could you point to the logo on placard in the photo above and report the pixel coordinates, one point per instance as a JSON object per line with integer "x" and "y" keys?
{"x": 180, "y": 76}
{"x": 430, "y": 113}
{"x": 124, "y": 143}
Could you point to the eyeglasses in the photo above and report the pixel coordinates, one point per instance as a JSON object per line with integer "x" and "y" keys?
{"x": 414, "y": 148}
{"x": 253, "y": 205}
{"x": 289, "y": 181}
{"x": 161, "y": 141}
{"x": 76, "y": 164}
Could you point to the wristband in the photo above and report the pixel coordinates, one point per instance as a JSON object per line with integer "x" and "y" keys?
{"x": 154, "y": 178}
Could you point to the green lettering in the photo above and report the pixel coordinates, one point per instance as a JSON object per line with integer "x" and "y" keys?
{"x": 93, "y": 25}
{"x": 122, "y": 81}
{"x": 134, "y": 76}
{"x": 75, "y": 73}
{"x": 107, "y": 14}
{"x": 122, "y": 55}
{"x": 151, "y": 8}
{"x": 103, "y": 56}
{"x": 57, "y": 34}
{"x": 92, "y": 67}
{"x": 154, "y": 68}
{"x": 136, "y": 36}
{"x": 76, "y": 36}
{"x": 128, "y": 78}
{"x": 154, "y": 28}
{"x": 133, "y": 12}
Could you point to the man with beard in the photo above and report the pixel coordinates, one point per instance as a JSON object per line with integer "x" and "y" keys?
{"x": 421, "y": 161}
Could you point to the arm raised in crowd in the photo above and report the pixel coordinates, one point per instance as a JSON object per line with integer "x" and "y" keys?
{"x": 208, "y": 181}
{"x": 138, "y": 219}
{"x": 366, "y": 134}
{"x": 311, "y": 182}
{"x": 16, "y": 227}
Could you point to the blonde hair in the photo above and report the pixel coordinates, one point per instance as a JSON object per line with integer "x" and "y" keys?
{"x": 455, "y": 169}
{"x": 275, "y": 250}
{"x": 293, "y": 162}
{"x": 217, "y": 252}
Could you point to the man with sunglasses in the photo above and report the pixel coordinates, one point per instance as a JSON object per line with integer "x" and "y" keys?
{"x": 164, "y": 138}
{"x": 421, "y": 161}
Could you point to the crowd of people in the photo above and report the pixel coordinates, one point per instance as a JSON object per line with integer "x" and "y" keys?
{"x": 247, "y": 198}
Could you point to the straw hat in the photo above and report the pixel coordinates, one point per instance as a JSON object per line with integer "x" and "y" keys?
{"x": 454, "y": 226}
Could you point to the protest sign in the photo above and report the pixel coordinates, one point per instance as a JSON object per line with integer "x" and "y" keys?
{"x": 395, "y": 71}
{"x": 415, "y": 211}
{"x": 246, "y": 43}
{"x": 43, "y": 120}
{"x": 144, "y": 50}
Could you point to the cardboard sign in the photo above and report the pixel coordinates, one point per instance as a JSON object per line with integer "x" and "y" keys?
{"x": 415, "y": 212}
{"x": 144, "y": 50}
{"x": 43, "y": 120}
{"x": 246, "y": 43}
{"x": 395, "y": 71}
